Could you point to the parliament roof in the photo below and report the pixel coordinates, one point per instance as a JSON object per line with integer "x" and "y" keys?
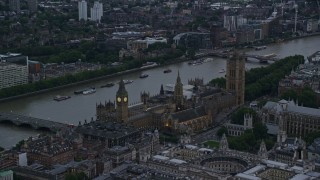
{"x": 189, "y": 114}
{"x": 292, "y": 107}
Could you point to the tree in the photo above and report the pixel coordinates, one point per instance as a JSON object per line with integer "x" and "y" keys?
{"x": 311, "y": 137}
{"x": 260, "y": 131}
{"x": 191, "y": 53}
{"x": 264, "y": 81}
{"x": 220, "y": 82}
{"x": 237, "y": 117}
{"x": 308, "y": 98}
{"x": 250, "y": 140}
{"x": 269, "y": 143}
{"x": 18, "y": 145}
{"x": 290, "y": 94}
{"x": 157, "y": 46}
{"x": 221, "y": 131}
{"x": 76, "y": 176}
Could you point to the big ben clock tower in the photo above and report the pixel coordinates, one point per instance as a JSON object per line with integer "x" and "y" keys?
{"x": 122, "y": 103}
{"x": 178, "y": 94}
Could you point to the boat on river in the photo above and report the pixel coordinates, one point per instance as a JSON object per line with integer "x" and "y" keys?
{"x": 149, "y": 64}
{"x": 79, "y": 91}
{"x": 222, "y": 71}
{"x": 167, "y": 71}
{"x": 89, "y": 91}
{"x": 107, "y": 85}
{"x": 143, "y": 76}
{"x": 126, "y": 81}
{"x": 61, "y": 98}
{"x": 272, "y": 55}
{"x": 257, "y": 48}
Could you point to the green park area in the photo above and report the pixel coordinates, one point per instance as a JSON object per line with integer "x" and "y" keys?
{"x": 211, "y": 144}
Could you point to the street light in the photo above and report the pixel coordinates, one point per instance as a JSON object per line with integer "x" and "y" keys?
{"x": 79, "y": 63}
{"x": 62, "y": 63}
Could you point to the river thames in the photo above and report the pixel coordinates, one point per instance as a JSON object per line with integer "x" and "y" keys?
{"x": 81, "y": 107}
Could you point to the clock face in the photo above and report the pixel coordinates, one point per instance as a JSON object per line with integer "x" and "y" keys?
{"x": 119, "y": 99}
{"x": 125, "y": 99}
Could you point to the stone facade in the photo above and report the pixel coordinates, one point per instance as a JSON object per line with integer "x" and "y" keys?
{"x": 122, "y": 103}
{"x": 276, "y": 174}
{"x": 238, "y": 130}
{"x": 293, "y": 119}
{"x": 107, "y": 134}
{"x": 190, "y": 120}
{"x": 105, "y": 111}
{"x": 162, "y": 111}
{"x": 49, "y": 151}
{"x": 235, "y": 77}
{"x": 178, "y": 94}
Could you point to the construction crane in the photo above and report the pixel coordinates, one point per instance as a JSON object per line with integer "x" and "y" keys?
{"x": 318, "y": 10}
{"x": 281, "y": 8}
{"x": 295, "y": 17}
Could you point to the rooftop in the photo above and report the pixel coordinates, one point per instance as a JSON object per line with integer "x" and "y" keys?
{"x": 246, "y": 176}
{"x": 9, "y": 55}
{"x": 106, "y": 129}
{"x": 205, "y": 149}
{"x": 191, "y": 146}
{"x": 300, "y": 177}
{"x": 159, "y": 157}
{"x": 255, "y": 169}
{"x": 48, "y": 145}
{"x": 275, "y": 163}
{"x": 6, "y": 173}
{"x": 177, "y": 161}
{"x": 189, "y": 114}
{"x": 292, "y": 107}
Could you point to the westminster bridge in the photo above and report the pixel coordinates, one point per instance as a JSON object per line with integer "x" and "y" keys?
{"x": 226, "y": 54}
{"x": 35, "y": 123}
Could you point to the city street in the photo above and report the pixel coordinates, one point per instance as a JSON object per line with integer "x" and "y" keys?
{"x": 220, "y": 120}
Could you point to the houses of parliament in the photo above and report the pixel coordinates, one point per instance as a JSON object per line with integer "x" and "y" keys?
{"x": 174, "y": 111}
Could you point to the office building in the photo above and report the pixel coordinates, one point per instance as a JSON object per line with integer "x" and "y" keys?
{"x": 96, "y": 11}
{"x": 82, "y": 6}
{"x": 14, "y": 5}
{"x": 33, "y": 6}
{"x": 13, "y": 70}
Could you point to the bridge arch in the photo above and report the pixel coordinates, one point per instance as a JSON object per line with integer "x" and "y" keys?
{"x": 7, "y": 121}
{"x": 27, "y": 121}
{"x": 27, "y": 125}
{"x": 42, "y": 128}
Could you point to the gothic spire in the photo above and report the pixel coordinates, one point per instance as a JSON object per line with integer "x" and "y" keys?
{"x": 122, "y": 90}
{"x": 161, "y": 90}
{"x": 224, "y": 145}
{"x": 263, "y": 150}
{"x": 178, "y": 78}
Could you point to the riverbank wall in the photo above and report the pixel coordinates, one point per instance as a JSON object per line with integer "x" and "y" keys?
{"x": 178, "y": 60}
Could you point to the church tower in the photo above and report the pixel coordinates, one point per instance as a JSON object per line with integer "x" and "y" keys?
{"x": 224, "y": 145}
{"x": 247, "y": 123}
{"x": 178, "y": 94}
{"x": 235, "y": 77}
{"x": 122, "y": 103}
{"x": 282, "y": 134}
{"x": 263, "y": 150}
